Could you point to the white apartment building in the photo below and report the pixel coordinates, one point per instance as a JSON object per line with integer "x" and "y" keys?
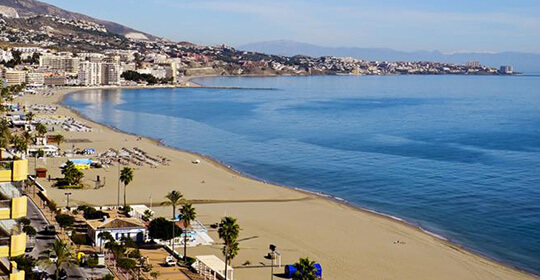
{"x": 67, "y": 64}
{"x": 14, "y": 77}
{"x": 125, "y": 55}
{"x": 90, "y": 73}
{"x": 35, "y": 79}
{"x": 172, "y": 72}
{"x": 92, "y": 57}
{"x": 158, "y": 58}
{"x": 506, "y": 69}
{"x": 128, "y": 66}
{"x": 110, "y": 74}
{"x": 473, "y": 64}
{"x": 157, "y": 71}
{"x": 5, "y": 55}
{"x": 29, "y": 49}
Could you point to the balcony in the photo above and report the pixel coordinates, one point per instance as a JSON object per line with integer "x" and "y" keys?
{"x": 9, "y": 190}
{"x": 12, "y": 204}
{"x": 9, "y": 271}
{"x": 14, "y": 208}
{"x": 12, "y": 246}
{"x": 13, "y": 170}
{"x": 12, "y": 239}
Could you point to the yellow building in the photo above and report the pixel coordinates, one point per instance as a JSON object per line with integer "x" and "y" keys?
{"x": 13, "y": 206}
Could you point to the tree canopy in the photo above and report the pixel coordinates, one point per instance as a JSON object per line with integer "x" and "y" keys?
{"x": 305, "y": 270}
{"x": 138, "y": 77}
{"x": 63, "y": 252}
{"x": 72, "y": 175}
{"x": 161, "y": 228}
{"x": 126, "y": 176}
{"x": 228, "y": 231}
{"x": 91, "y": 213}
{"x": 65, "y": 220}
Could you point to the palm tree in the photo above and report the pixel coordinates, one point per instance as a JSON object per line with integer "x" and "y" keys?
{"x": 5, "y": 134}
{"x": 229, "y": 230}
{"x": 29, "y": 117}
{"x": 20, "y": 144}
{"x": 41, "y": 129}
{"x": 27, "y": 137}
{"x": 30, "y": 231}
{"x": 4, "y": 141}
{"x": 59, "y": 138}
{"x": 105, "y": 237}
{"x": 63, "y": 252}
{"x": 174, "y": 198}
{"x": 187, "y": 214}
{"x": 305, "y": 270}
{"x": 126, "y": 176}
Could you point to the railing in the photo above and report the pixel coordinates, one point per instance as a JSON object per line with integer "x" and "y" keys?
{"x": 6, "y": 165}
{"x": 7, "y": 189}
{"x": 5, "y": 241}
{"x": 9, "y": 227}
{"x": 5, "y": 204}
{"x": 37, "y": 184}
{"x": 5, "y": 266}
{"x": 14, "y": 170}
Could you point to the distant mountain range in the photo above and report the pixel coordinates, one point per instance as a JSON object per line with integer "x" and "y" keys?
{"x": 523, "y": 62}
{"x": 28, "y": 8}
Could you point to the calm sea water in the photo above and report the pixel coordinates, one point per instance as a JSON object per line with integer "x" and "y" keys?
{"x": 457, "y": 155}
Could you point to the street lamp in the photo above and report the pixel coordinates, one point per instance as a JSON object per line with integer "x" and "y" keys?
{"x": 67, "y": 195}
{"x": 272, "y": 256}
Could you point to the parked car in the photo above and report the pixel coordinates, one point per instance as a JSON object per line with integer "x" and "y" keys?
{"x": 49, "y": 229}
{"x": 101, "y": 260}
{"x": 62, "y": 275}
{"x": 29, "y": 247}
{"x": 52, "y": 257}
{"x": 170, "y": 261}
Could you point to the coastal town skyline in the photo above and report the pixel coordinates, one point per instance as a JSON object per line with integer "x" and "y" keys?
{"x": 139, "y": 140}
{"x": 462, "y": 26}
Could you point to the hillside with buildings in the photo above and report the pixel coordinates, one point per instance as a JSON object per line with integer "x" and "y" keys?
{"x": 522, "y": 61}
{"x": 46, "y": 46}
{"x": 32, "y": 8}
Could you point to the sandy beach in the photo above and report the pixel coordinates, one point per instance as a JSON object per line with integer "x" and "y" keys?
{"x": 348, "y": 242}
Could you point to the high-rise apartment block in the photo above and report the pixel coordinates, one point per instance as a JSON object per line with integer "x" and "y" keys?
{"x": 67, "y": 64}
{"x": 110, "y": 73}
{"x": 13, "y": 206}
{"x": 90, "y": 73}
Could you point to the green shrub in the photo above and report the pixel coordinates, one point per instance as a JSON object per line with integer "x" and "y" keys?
{"x": 91, "y": 213}
{"x": 24, "y": 221}
{"x": 161, "y": 228}
{"x": 108, "y": 277}
{"x": 127, "y": 264}
{"x": 79, "y": 239}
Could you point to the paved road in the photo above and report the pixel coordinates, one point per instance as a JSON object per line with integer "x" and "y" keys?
{"x": 42, "y": 241}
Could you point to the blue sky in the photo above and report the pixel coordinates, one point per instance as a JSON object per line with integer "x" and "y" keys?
{"x": 446, "y": 25}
